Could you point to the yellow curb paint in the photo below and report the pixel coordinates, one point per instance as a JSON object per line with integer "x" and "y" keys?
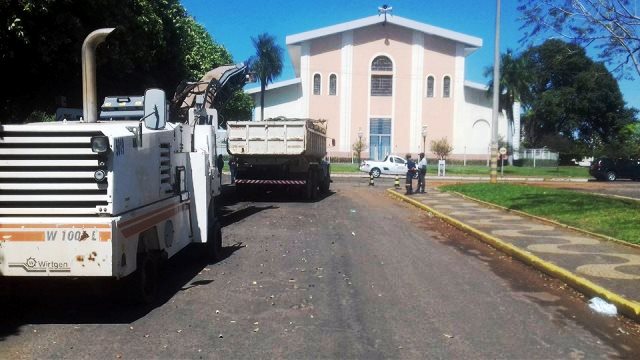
{"x": 601, "y": 236}
{"x": 625, "y": 306}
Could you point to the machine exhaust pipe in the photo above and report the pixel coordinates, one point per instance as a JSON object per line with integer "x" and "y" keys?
{"x": 89, "y": 91}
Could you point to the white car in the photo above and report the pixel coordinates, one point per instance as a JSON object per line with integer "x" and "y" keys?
{"x": 391, "y": 165}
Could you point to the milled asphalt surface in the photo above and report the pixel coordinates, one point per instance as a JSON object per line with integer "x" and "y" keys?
{"x": 612, "y": 265}
{"x": 354, "y": 275}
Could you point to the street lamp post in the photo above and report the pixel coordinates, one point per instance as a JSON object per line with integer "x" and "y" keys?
{"x": 424, "y": 139}
{"x": 496, "y": 94}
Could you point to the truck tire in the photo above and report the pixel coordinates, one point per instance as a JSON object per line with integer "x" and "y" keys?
{"x": 324, "y": 185}
{"x": 213, "y": 246}
{"x": 143, "y": 283}
{"x": 311, "y": 186}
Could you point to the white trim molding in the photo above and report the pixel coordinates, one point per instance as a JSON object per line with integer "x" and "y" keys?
{"x": 304, "y": 72}
{"x": 346, "y": 81}
{"x": 459, "y": 101}
{"x": 417, "y": 74}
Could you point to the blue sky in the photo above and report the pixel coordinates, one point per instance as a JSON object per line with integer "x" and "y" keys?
{"x": 233, "y": 23}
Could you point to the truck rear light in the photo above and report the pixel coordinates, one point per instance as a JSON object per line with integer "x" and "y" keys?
{"x": 99, "y": 144}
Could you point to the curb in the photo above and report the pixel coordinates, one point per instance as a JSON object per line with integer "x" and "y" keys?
{"x": 627, "y": 307}
{"x": 554, "y": 222}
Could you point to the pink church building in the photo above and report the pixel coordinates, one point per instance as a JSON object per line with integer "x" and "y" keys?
{"x": 388, "y": 82}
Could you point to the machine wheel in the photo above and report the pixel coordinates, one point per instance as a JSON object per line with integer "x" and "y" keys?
{"x": 375, "y": 172}
{"x": 611, "y": 176}
{"x": 143, "y": 283}
{"x": 213, "y": 246}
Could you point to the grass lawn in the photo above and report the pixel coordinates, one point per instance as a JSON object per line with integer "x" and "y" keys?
{"x": 343, "y": 168}
{"x": 478, "y": 170}
{"x": 617, "y": 218}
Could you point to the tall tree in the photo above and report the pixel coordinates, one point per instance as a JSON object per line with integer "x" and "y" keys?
{"x": 199, "y": 52}
{"x": 156, "y": 44}
{"x": 572, "y": 98}
{"x": 267, "y": 63}
{"x": 515, "y": 79}
{"x": 613, "y": 26}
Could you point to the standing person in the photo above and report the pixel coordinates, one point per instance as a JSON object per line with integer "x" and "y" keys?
{"x": 422, "y": 172}
{"x": 411, "y": 170}
{"x": 219, "y": 166}
{"x": 233, "y": 166}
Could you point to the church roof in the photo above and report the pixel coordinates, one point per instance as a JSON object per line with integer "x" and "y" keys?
{"x": 294, "y": 41}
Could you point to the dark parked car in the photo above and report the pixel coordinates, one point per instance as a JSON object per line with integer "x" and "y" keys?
{"x": 610, "y": 169}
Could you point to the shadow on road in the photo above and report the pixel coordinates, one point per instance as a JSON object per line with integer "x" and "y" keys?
{"x": 96, "y": 301}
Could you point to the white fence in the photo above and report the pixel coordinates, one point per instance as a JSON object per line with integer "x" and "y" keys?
{"x": 540, "y": 156}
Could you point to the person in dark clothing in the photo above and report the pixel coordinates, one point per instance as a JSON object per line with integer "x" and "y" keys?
{"x": 233, "y": 167}
{"x": 411, "y": 170}
{"x": 219, "y": 166}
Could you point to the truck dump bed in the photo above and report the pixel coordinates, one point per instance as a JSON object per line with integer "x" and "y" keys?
{"x": 278, "y": 137}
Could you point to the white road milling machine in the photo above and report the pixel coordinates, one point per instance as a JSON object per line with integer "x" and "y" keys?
{"x": 113, "y": 196}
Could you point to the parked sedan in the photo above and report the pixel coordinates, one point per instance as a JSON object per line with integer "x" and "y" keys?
{"x": 391, "y": 165}
{"x": 610, "y": 169}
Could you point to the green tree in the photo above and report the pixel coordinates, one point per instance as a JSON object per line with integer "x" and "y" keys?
{"x": 155, "y": 44}
{"x": 626, "y": 144}
{"x": 572, "y": 97}
{"x": 515, "y": 79}
{"x": 200, "y": 53}
{"x": 267, "y": 63}
{"x": 612, "y": 26}
{"x": 238, "y": 108}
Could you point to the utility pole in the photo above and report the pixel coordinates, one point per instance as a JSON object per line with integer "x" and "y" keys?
{"x": 496, "y": 98}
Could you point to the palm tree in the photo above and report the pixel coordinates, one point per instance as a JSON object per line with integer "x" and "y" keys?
{"x": 515, "y": 80}
{"x": 267, "y": 63}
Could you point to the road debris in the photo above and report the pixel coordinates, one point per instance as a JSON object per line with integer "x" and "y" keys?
{"x": 602, "y": 307}
{"x": 448, "y": 336}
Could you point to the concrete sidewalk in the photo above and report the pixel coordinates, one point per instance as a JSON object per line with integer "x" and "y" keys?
{"x": 465, "y": 178}
{"x": 594, "y": 266}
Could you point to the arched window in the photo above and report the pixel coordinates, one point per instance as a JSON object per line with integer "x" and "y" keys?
{"x": 446, "y": 87}
{"x": 381, "y": 63}
{"x": 382, "y": 78}
{"x": 333, "y": 83}
{"x": 430, "y": 85}
{"x": 317, "y": 79}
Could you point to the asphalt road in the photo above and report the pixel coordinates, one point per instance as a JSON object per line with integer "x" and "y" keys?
{"x": 354, "y": 275}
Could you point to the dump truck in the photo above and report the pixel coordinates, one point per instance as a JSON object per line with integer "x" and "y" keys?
{"x": 113, "y": 196}
{"x": 280, "y": 152}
